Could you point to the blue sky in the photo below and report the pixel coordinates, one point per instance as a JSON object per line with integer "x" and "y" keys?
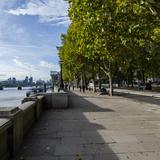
{"x": 29, "y": 33}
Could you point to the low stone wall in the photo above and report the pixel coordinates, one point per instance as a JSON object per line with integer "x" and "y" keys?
{"x": 21, "y": 118}
{"x": 56, "y": 100}
{"x": 5, "y": 127}
{"x": 40, "y": 104}
{"x": 28, "y": 109}
{"x": 15, "y": 122}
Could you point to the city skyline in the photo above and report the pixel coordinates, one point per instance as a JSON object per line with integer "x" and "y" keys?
{"x": 27, "y": 81}
{"x": 29, "y": 34}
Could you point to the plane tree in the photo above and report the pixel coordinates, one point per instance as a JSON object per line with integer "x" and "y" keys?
{"x": 112, "y": 34}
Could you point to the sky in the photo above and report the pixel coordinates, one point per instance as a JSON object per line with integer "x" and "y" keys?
{"x": 29, "y": 33}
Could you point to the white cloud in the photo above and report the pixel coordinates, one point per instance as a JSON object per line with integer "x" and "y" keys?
{"x": 12, "y": 71}
{"x": 4, "y": 4}
{"x": 14, "y": 63}
{"x": 18, "y": 46}
{"x": 7, "y": 3}
{"x": 51, "y": 8}
{"x": 2, "y": 75}
{"x": 19, "y": 68}
{"x": 27, "y": 67}
{"x": 50, "y": 11}
{"x": 15, "y": 33}
{"x": 64, "y": 23}
{"x": 48, "y": 65}
{"x": 21, "y": 52}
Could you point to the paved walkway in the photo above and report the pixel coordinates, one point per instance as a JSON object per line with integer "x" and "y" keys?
{"x": 144, "y": 92}
{"x": 97, "y": 128}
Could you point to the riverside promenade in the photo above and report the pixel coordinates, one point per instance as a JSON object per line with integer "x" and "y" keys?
{"x": 97, "y": 127}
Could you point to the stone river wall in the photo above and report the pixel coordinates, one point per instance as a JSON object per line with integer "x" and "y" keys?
{"x": 15, "y": 122}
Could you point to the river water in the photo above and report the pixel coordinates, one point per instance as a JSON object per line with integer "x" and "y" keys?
{"x": 11, "y": 97}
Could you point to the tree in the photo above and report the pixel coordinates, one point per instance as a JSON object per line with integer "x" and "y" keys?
{"x": 114, "y": 33}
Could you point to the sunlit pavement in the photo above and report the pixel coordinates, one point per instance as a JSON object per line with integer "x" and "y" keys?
{"x": 144, "y": 93}
{"x": 97, "y": 127}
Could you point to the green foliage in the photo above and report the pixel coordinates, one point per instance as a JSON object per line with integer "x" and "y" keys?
{"x": 114, "y": 33}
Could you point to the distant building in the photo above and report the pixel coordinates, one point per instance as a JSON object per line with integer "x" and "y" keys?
{"x": 14, "y": 80}
{"x": 26, "y": 80}
{"x": 31, "y": 80}
{"x": 40, "y": 82}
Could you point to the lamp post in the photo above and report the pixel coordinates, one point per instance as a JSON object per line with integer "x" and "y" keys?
{"x": 61, "y": 77}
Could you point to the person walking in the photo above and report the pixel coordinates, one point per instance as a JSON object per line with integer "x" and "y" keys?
{"x": 83, "y": 87}
{"x": 73, "y": 87}
{"x": 80, "y": 88}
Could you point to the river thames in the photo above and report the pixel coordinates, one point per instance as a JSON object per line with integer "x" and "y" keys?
{"x": 11, "y": 97}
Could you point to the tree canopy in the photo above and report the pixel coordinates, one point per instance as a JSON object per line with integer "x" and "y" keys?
{"x": 115, "y": 35}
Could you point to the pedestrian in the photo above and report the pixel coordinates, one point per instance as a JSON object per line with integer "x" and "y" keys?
{"x": 80, "y": 87}
{"x": 66, "y": 87}
{"x": 83, "y": 88}
{"x": 45, "y": 87}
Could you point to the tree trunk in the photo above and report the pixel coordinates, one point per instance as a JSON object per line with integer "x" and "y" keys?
{"x": 110, "y": 79}
{"x": 132, "y": 84}
{"x": 99, "y": 77}
{"x": 110, "y": 84}
{"x": 93, "y": 77}
{"x": 76, "y": 82}
{"x": 127, "y": 81}
{"x": 108, "y": 72}
{"x": 143, "y": 76}
{"x": 94, "y": 85}
{"x": 132, "y": 79}
{"x": 85, "y": 79}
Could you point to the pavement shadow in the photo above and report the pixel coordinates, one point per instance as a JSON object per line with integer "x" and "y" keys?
{"x": 95, "y": 146}
{"x": 72, "y": 134}
{"x": 79, "y": 103}
{"x": 140, "y": 98}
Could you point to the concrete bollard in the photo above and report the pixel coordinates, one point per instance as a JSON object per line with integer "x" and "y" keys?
{"x": 28, "y": 109}
{"x": 56, "y": 100}
{"x": 27, "y": 99}
{"x": 48, "y": 100}
{"x": 60, "y": 100}
{"x": 39, "y": 104}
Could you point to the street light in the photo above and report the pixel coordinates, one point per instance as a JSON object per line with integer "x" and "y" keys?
{"x": 61, "y": 77}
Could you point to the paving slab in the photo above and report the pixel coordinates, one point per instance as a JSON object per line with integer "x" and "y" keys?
{"x": 96, "y": 127}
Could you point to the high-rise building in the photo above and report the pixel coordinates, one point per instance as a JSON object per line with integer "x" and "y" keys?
{"x": 31, "y": 80}
{"x": 9, "y": 80}
{"x": 26, "y": 80}
{"x": 14, "y": 80}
